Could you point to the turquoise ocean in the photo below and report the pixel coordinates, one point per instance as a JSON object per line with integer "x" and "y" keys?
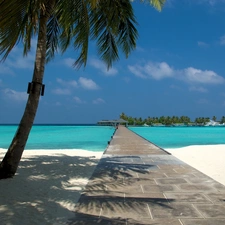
{"x": 178, "y": 137}
{"x": 85, "y": 137}
{"x": 95, "y": 138}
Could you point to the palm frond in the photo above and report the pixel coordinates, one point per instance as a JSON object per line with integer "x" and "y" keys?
{"x": 73, "y": 16}
{"x": 53, "y": 32}
{"x": 93, "y": 3}
{"x": 18, "y": 23}
{"x": 108, "y": 50}
{"x": 127, "y": 36}
{"x": 10, "y": 24}
{"x": 158, "y": 4}
{"x": 65, "y": 11}
{"x": 127, "y": 31}
{"x": 81, "y": 34}
{"x": 113, "y": 25}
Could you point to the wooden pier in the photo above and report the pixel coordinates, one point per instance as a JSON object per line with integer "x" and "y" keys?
{"x": 136, "y": 182}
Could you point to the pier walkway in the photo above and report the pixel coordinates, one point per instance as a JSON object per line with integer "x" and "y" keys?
{"x": 136, "y": 182}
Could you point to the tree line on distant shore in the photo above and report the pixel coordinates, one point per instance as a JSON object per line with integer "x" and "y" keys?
{"x": 167, "y": 120}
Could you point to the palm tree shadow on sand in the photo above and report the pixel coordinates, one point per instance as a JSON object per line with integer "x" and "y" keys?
{"x": 45, "y": 190}
{"x": 114, "y": 193}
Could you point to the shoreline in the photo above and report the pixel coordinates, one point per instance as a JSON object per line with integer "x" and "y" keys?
{"x": 48, "y": 183}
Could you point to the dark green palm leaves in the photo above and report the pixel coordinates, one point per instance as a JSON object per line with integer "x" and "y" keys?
{"x": 71, "y": 23}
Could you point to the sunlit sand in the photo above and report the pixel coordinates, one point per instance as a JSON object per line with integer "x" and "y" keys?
{"x": 208, "y": 159}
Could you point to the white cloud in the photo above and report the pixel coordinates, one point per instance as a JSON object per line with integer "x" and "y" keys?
{"x": 4, "y": 69}
{"x": 155, "y": 71}
{"x": 203, "y": 44}
{"x": 22, "y": 62}
{"x": 126, "y": 79}
{"x": 103, "y": 68}
{"x": 222, "y": 40}
{"x": 159, "y": 71}
{"x": 98, "y": 101}
{"x": 18, "y": 61}
{"x": 202, "y": 101}
{"x": 209, "y": 2}
{"x": 69, "y": 62}
{"x": 14, "y": 95}
{"x": 71, "y": 83}
{"x": 139, "y": 49}
{"x": 212, "y": 2}
{"x": 67, "y": 87}
{"x": 193, "y": 75}
{"x": 137, "y": 71}
{"x": 198, "y": 89}
{"x": 78, "y": 100}
{"x": 175, "y": 87}
{"x": 58, "y": 104}
{"x": 61, "y": 91}
{"x": 88, "y": 84}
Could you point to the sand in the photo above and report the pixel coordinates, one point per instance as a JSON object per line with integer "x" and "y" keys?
{"x": 48, "y": 183}
{"x": 209, "y": 159}
{"x": 47, "y": 186}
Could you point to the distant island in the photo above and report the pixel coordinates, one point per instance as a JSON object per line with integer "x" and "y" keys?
{"x": 172, "y": 121}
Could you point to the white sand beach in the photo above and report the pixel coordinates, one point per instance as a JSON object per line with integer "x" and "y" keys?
{"x": 47, "y": 186}
{"x": 209, "y": 159}
{"x": 48, "y": 183}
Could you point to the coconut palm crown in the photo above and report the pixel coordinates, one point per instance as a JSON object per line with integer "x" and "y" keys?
{"x": 57, "y": 25}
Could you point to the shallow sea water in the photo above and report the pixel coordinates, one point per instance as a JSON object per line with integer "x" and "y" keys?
{"x": 94, "y": 138}
{"x": 177, "y": 137}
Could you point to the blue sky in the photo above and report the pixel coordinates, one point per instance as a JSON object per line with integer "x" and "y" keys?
{"x": 178, "y": 68}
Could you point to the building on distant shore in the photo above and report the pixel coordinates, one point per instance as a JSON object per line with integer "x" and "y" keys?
{"x": 112, "y": 122}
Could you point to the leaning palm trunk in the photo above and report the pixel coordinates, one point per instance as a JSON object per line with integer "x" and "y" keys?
{"x": 9, "y": 165}
{"x": 60, "y": 24}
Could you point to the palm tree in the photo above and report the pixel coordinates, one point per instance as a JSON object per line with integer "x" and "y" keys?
{"x": 58, "y": 24}
{"x": 123, "y": 116}
{"x": 222, "y": 120}
{"x": 130, "y": 120}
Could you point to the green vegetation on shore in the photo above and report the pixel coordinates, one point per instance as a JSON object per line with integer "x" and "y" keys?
{"x": 168, "y": 121}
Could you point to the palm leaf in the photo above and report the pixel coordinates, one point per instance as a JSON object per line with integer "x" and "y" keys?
{"x": 10, "y": 25}
{"x": 127, "y": 32}
{"x": 81, "y": 34}
{"x": 112, "y": 24}
{"x": 158, "y": 4}
{"x": 108, "y": 50}
{"x": 18, "y": 22}
{"x": 53, "y": 32}
{"x": 66, "y": 13}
